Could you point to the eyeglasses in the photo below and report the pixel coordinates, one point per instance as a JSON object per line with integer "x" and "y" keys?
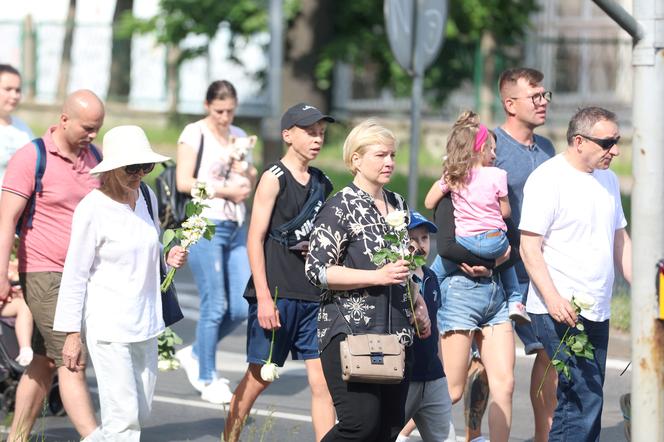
{"x": 539, "y": 98}
{"x": 133, "y": 169}
{"x": 604, "y": 143}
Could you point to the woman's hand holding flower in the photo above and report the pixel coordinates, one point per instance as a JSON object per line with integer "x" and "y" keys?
{"x": 392, "y": 273}
{"x": 177, "y": 256}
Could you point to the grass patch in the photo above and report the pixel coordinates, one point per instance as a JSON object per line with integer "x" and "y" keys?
{"x": 621, "y": 309}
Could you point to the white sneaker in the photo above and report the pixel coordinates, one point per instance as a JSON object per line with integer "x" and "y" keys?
{"x": 25, "y": 356}
{"x": 217, "y": 392}
{"x": 190, "y": 365}
{"x": 518, "y": 314}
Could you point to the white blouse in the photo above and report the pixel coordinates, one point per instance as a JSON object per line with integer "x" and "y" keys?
{"x": 110, "y": 282}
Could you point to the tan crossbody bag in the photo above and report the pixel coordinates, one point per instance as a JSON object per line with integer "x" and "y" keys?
{"x": 372, "y": 358}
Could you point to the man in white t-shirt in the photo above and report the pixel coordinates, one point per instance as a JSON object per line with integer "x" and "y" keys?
{"x": 572, "y": 234}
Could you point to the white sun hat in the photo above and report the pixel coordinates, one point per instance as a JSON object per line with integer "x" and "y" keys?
{"x": 125, "y": 145}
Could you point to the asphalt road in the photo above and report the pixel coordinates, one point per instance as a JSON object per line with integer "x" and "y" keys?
{"x": 282, "y": 413}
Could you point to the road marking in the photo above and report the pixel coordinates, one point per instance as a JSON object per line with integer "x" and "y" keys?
{"x": 614, "y": 364}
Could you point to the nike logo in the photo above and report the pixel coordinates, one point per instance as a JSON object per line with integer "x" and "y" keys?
{"x": 308, "y": 107}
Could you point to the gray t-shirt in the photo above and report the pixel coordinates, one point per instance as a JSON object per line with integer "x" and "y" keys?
{"x": 519, "y": 161}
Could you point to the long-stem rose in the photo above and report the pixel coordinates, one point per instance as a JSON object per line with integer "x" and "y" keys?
{"x": 576, "y": 344}
{"x": 270, "y": 371}
{"x": 398, "y": 249}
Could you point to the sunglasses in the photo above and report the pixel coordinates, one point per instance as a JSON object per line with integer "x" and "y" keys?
{"x": 133, "y": 169}
{"x": 604, "y": 143}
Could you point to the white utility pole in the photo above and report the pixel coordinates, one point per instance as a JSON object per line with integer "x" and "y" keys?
{"x": 647, "y": 29}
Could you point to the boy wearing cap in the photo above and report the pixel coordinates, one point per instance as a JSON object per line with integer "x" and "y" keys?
{"x": 287, "y": 199}
{"x": 428, "y": 402}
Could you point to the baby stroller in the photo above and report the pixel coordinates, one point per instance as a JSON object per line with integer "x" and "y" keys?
{"x": 11, "y": 371}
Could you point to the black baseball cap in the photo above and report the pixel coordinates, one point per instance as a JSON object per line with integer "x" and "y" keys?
{"x": 303, "y": 115}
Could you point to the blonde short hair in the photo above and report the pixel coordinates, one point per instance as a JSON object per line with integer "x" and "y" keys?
{"x": 368, "y": 133}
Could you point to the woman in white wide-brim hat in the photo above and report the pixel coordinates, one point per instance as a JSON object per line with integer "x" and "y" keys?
{"x": 110, "y": 284}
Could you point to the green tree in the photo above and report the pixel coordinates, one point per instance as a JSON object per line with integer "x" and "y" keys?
{"x": 179, "y": 18}
{"x": 359, "y": 36}
{"x": 120, "y": 79}
{"x": 361, "y": 40}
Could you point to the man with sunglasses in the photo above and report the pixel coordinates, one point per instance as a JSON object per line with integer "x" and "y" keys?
{"x": 43, "y": 246}
{"x": 519, "y": 151}
{"x": 572, "y": 234}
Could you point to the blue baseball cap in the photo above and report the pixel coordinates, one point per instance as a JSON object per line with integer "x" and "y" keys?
{"x": 417, "y": 219}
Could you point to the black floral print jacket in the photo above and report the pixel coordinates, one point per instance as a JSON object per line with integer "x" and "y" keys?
{"x": 349, "y": 229}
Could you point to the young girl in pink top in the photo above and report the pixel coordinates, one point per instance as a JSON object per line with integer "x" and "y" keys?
{"x": 479, "y": 194}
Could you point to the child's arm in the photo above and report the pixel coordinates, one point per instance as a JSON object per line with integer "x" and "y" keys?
{"x": 501, "y": 184}
{"x": 434, "y": 196}
{"x": 264, "y": 200}
{"x": 505, "y": 209}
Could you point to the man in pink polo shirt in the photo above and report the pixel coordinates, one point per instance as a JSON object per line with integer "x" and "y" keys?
{"x": 42, "y": 252}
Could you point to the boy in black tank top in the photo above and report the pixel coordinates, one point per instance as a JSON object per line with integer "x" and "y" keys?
{"x": 286, "y": 201}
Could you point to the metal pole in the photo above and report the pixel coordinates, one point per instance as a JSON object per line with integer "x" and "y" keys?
{"x": 415, "y": 111}
{"x": 270, "y": 129}
{"x": 622, "y": 17}
{"x": 276, "y": 55}
{"x": 647, "y": 414}
{"x": 647, "y": 29}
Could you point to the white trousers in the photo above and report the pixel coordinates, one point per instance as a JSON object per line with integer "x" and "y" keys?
{"x": 126, "y": 377}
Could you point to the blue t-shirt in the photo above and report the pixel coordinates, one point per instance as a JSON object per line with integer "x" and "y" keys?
{"x": 519, "y": 161}
{"x": 427, "y": 366}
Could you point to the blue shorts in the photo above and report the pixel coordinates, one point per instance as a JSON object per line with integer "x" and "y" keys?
{"x": 471, "y": 304}
{"x": 297, "y": 335}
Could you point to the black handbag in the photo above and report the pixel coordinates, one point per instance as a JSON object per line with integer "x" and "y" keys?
{"x": 170, "y": 306}
{"x": 171, "y": 202}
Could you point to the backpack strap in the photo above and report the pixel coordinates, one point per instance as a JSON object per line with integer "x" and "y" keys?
{"x": 148, "y": 201}
{"x": 199, "y": 156}
{"x": 286, "y": 234}
{"x": 95, "y": 152}
{"x": 40, "y": 169}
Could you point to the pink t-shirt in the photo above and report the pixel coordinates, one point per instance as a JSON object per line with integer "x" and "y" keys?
{"x": 43, "y": 247}
{"x": 476, "y": 206}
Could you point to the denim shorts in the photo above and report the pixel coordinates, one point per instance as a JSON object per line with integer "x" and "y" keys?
{"x": 470, "y": 304}
{"x": 297, "y": 335}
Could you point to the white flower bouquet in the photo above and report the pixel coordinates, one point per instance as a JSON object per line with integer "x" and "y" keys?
{"x": 193, "y": 228}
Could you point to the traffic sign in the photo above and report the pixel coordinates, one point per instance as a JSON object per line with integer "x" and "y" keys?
{"x": 415, "y": 51}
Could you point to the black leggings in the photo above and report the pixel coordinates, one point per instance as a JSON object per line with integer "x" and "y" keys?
{"x": 366, "y": 412}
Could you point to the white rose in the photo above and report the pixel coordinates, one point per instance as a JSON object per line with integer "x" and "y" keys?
{"x": 164, "y": 365}
{"x": 583, "y": 300}
{"x": 397, "y": 219}
{"x": 269, "y": 372}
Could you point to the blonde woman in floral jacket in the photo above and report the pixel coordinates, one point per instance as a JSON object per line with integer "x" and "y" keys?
{"x": 358, "y": 296}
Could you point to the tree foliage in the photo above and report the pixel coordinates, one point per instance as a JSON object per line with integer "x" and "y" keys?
{"x": 359, "y": 35}
{"x": 361, "y": 40}
{"x": 178, "y": 19}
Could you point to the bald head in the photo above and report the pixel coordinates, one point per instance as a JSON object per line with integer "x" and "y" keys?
{"x": 81, "y": 118}
{"x": 83, "y": 101}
